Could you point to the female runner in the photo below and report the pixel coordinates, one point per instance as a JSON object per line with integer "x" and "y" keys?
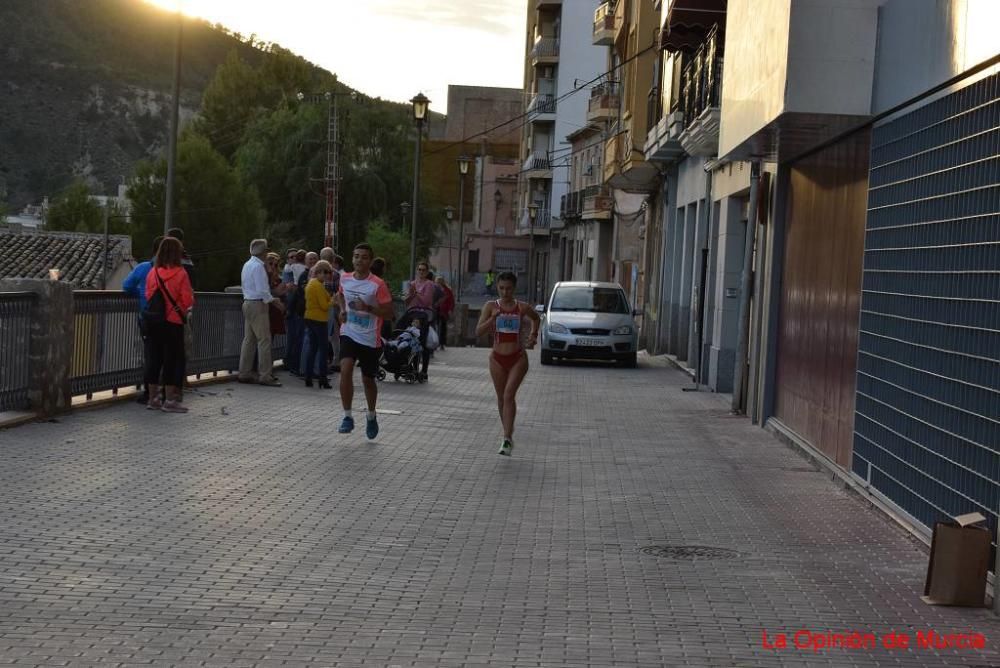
{"x": 506, "y": 317}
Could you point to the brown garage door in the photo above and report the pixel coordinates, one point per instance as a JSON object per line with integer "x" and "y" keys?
{"x": 821, "y": 294}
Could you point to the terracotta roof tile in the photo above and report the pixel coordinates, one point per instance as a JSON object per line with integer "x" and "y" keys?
{"x": 78, "y": 256}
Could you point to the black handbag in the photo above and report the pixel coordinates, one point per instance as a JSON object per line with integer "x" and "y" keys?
{"x": 155, "y": 312}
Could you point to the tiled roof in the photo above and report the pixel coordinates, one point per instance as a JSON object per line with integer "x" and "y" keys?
{"x": 78, "y": 256}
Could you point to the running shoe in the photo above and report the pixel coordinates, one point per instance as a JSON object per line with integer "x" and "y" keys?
{"x": 371, "y": 428}
{"x": 505, "y": 447}
{"x": 347, "y": 425}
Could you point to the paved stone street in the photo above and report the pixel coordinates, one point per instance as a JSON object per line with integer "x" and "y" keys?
{"x": 250, "y": 533}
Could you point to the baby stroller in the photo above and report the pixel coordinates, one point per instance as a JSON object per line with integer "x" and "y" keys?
{"x": 401, "y": 356}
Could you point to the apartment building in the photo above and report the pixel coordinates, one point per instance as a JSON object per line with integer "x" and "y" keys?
{"x": 559, "y": 65}
{"x": 825, "y": 224}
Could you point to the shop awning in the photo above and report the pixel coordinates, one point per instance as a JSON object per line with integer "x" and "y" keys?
{"x": 688, "y": 22}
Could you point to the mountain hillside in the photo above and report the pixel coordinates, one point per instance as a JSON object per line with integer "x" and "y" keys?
{"x": 85, "y": 89}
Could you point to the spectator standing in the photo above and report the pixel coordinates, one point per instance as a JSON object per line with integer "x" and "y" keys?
{"x": 444, "y": 309}
{"x": 490, "y": 280}
{"x": 275, "y": 315}
{"x": 299, "y": 300}
{"x": 256, "y": 327}
{"x": 188, "y": 264}
{"x": 420, "y": 302}
{"x": 135, "y": 285}
{"x": 166, "y": 358}
{"x": 318, "y": 298}
{"x": 294, "y": 325}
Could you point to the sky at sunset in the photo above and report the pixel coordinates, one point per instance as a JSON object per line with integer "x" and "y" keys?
{"x": 387, "y": 48}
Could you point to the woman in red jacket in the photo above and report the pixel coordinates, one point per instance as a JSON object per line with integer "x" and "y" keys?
{"x": 166, "y": 336}
{"x": 444, "y": 309}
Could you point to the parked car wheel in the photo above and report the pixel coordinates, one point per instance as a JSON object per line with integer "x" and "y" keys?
{"x": 547, "y": 357}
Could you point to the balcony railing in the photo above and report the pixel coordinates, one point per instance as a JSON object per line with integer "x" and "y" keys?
{"x": 545, "y": 48}
{"x": 106, "y": 350}
{"x": 571, "y": 205}
{"x": 536, "y": 163}
{"x": 701, "y": 79}
{"x": 604, "y": 102}
{"x": 543, "y": 220}
{"x": 604, "y": 24}
{"x": 596, "y": 203}
{"x": 541, "y": 103}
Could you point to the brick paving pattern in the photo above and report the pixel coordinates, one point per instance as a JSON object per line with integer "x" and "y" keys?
{"x": 249, "y": 533}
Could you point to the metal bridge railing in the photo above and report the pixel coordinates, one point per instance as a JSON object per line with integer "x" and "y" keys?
{"x": 15, "y": 341}
{"x": 107, "y": 350}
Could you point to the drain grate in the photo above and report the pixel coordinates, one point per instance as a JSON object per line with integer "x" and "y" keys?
{"x": 689, "y": 552}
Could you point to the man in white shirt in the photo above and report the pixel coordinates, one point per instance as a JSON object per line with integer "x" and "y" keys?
{"x": 256, "y": 323}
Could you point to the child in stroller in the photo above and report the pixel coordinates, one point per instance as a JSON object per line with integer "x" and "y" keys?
{"x": 401, "y": 354}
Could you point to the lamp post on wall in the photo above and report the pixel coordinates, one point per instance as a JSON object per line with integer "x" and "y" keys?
{"x": 420, "y": 103}
{"x": 532, "y": 214}
{"x": 463, "y": 169}
{"x": 449, "y": 215}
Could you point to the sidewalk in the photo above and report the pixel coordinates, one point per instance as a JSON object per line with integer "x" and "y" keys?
{"x": 635, "y": 525}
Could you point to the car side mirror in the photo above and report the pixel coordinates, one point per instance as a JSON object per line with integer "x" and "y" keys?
{"x": 636, "y": 311}
{"x": 540, "y": 309}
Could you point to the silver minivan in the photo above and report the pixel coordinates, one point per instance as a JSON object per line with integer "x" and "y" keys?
{"x": 588, "y": 320}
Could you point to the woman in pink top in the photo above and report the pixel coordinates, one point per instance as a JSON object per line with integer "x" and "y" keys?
{"x": 166, "y": 338}
{"x": 511, "y": 322}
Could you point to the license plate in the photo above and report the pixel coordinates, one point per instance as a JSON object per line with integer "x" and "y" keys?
{"x": 589, "y": 342}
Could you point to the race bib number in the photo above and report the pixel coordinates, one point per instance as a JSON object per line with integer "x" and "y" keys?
{"x": 359, "y": 320}
{"x": 508, "y": 323}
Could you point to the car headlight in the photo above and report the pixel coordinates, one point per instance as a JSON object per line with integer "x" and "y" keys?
{"x": 556, "y": 328}
{"x": 624, "y": 329}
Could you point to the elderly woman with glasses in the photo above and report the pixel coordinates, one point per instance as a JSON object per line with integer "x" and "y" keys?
{"x": 317, "y": 309}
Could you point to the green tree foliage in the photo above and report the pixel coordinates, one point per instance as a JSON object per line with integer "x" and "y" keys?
{"x": 74, "y": 211}
{"x": 394, "y": 246}
{"x": 218, "y": 212}
{"x": 231, "y": 101}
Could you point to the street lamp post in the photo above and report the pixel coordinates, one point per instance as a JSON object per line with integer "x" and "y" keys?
{"x": 532, "y": 214}
{"x": 420, "y": 103}
{"x": 463, "y": 169}
{"x": 449, "y": 214}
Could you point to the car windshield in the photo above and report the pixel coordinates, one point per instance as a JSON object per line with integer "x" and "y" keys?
{"x": 585, "y": 298}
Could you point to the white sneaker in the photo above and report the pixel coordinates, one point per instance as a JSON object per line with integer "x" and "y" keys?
{"x": 505, "y": 447}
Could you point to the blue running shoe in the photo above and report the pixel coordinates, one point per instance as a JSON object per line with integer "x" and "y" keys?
{"x": 371, "y": 428}
{"x": 347, "y": 425}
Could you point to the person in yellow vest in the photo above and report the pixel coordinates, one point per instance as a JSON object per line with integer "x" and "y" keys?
{"x": 317, "y": 310}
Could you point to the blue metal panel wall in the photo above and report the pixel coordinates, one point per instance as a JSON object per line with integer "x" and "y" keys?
{"x": 927, "y": 427}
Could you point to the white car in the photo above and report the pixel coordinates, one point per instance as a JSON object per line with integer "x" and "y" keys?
{"x": 588, "y": 320}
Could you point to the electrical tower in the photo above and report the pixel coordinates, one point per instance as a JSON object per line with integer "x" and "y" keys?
{"x": 330, "y": 230}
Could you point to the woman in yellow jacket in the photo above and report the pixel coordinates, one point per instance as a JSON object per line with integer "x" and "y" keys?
{"x": 317, "y": 308}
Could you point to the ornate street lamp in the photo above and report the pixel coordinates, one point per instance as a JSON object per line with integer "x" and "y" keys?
{"x": 420, "y": 104}
{"x": 463, "y": 169}
{"x": 532, "y": 270}
{"x": 449, "y": 214}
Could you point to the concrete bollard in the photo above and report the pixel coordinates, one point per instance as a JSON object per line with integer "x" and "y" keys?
{"x": 51, "y": 351}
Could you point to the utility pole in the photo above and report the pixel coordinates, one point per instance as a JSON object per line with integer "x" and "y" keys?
{"x": 330, "y": 236}
{"x": 174, "y": 119}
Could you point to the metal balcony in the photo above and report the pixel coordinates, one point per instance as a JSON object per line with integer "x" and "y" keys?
{"x": 597, "y": 203}
{"x": 542, "y": 108}
{"x": 545, "y": 51}
{"x": 604, "y": 102}
{"x": 604, "y": 25}
{"x": 701, "y": 88}
{"x": 537, "y": 167}
{"x": 541, "y": 224}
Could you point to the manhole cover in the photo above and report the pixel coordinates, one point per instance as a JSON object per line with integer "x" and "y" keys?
{"x": 689, "y": 552}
